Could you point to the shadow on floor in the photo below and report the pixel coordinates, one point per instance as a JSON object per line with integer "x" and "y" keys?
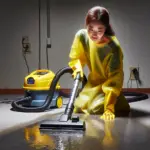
{"x": 135, "y": 113}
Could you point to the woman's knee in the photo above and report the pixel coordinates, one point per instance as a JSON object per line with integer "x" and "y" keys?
{"x": 96, "y": 110}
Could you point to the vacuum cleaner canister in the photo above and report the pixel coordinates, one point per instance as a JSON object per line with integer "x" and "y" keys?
{"x": 37, "y": 84}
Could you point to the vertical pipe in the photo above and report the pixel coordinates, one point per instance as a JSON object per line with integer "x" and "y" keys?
{"x": 39, "y": 34}
{"x": 48, "y": 18}
{"x": 48, "y": 32}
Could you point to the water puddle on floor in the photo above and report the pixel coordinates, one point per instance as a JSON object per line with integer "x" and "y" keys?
{"x": 121, "y": 134}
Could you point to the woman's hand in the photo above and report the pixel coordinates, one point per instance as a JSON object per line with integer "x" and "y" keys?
{"x": 77, "y": 68}
{"x": 108, "y": 115}
{"x": 75, "y": 73}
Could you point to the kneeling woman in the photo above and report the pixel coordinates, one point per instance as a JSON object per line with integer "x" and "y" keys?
{"x": 98, "y": 48}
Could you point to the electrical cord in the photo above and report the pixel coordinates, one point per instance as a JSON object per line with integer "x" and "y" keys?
{"x": 137, "y": 76}
{"x": 135, "y": 72}
{"x": 25, "y": 46}
{"x": 26, "y": 62}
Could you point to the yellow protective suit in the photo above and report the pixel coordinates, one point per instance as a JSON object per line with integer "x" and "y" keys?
{"x": 103, "y": 91}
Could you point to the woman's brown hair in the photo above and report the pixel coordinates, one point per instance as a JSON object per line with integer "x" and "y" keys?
{"x": 101, "y": 15}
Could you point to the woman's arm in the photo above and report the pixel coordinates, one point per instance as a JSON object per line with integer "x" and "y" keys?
{"x": 77, "y": 57}
{"x": 113, "y": 85}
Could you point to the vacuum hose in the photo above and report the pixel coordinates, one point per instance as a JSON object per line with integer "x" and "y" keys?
{"x": 135, "y": 96}
{"x": 17, "y": 105}
{"x": 49, "y": 98}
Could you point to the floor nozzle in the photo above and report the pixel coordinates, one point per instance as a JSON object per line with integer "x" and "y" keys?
{"x": 64, "y": 118}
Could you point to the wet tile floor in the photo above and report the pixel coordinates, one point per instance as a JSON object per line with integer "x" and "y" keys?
{"x": 120, "y": 134}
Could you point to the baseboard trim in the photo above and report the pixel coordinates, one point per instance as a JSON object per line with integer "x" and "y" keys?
{"x": 11, "y": 91}
{"x": 142, "y": 90}
{"x": 21, "y": 91}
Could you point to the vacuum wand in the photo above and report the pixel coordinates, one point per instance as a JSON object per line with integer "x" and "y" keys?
{"x": 67, "y": 121}
{"x": 69, "y": 109}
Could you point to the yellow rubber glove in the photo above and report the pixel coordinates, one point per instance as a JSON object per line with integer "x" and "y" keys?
{"x": 108, "y": 115}
{"x": 76, "y": 67}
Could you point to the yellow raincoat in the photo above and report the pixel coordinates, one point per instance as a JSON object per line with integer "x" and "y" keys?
{"x": 103, "y": 90}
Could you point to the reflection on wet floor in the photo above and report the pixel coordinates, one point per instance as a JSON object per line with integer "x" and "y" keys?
{"x": 121, "y": 134}
{"x": 36, "y": 139}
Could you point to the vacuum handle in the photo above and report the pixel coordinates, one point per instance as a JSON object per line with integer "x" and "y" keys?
{"x": 70, "y": 106}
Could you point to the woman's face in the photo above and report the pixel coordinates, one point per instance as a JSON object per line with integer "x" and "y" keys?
{"x": 96, "y": 31}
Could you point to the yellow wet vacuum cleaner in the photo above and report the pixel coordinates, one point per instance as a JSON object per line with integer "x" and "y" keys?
{"x": 36, "y": 86}
{"x": 36, "y": 89}
{"x": 42, "y": 91}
